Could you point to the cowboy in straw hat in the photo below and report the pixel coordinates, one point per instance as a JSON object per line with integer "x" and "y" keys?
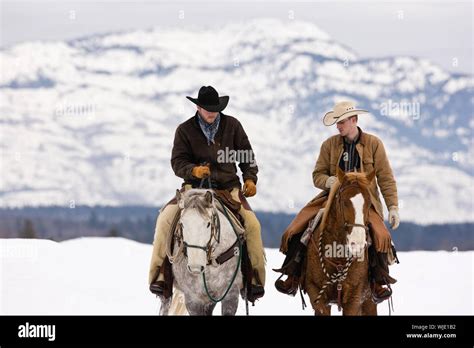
{"x": 342, "y": 111}
{"x": 350, "y": 150}
{"x": 195, "y": 155}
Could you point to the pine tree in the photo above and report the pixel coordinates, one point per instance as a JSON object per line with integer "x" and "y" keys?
{"x": 93, "y": 220}
{"x": 28, "y": 230}
{"x": 113, "y": 232}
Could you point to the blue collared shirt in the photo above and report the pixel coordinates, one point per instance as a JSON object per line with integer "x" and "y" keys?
{"x": 209, "y": 130}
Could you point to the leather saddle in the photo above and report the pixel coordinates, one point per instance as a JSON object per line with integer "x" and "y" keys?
{"x": 233, "y": 207}
{"x": 225, "y": 198}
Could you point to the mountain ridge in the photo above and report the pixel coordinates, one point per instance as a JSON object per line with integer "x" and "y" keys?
{"x": 93, "y": 122}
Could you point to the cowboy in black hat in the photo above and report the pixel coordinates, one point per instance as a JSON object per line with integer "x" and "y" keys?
{"x": 197, "y": 153}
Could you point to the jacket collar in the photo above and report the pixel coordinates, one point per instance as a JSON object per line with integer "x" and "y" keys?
{"x": 222, "y": 124}
{"x": 362, "y": 137}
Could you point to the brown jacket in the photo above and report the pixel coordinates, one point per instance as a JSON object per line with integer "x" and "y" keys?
{"x": 372, "y": 153}
{"x": 190, "y": 149}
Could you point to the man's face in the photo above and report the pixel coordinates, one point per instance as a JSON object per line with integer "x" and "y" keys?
{"x": 346, "y": 126}
{"x": 207, "y": 116}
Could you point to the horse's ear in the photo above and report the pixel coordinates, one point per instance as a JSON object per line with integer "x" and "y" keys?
{"x": 340, "y": 174}
{"x": 208, "y": 197}
{"x": 371, "y": 175}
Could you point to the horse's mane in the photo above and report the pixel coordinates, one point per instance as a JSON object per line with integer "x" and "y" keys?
{"x": 361, "y": 179}
{"x": 194, "y": 199}
{"x": 332, "y": 193}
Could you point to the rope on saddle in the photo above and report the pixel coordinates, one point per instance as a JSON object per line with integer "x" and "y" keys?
{"x": 177, "y": 254}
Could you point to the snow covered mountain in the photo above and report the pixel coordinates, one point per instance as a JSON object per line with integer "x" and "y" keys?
{"x": 91, "y": 121}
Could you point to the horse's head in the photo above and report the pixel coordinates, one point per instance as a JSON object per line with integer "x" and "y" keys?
{"x": 197, "y": 225}
{"x": 352, "y": 206}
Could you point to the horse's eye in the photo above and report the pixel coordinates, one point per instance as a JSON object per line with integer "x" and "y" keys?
{"x": 208, "y": 224}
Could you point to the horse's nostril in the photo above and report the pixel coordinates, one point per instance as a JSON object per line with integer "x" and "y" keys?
{"x": 196, "y": 269}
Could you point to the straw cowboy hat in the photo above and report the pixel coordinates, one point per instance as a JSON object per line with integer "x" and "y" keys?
{"x": 209, "y": 99}
{"x": 342, "y": 110}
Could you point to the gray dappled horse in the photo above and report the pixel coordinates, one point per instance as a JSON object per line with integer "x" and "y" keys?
{"x": 203, "y": 234}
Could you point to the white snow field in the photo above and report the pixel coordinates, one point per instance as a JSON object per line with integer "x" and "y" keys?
{"x": 108, "y": 276}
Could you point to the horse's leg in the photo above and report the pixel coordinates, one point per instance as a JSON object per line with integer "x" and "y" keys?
{"x": 312, "y": 283}
{"x": 200, "y": 308}
{"x": 320, "y": 308}
{"x": 209, "y": 308}
{"x": 369, "y": 307}
{"x": 352, "y": 304}
{"x": 194, "y": 306}
{"x": 165, "y": 305}
{"x": 352, "y": 308}
{"x": 230, "y": 302}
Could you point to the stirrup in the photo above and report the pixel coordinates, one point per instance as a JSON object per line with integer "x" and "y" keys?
{"x": 281, "y": 285}
{"x": 158, "y": 288}
{"x": 380, "y": 298}
{"x": 256, "y": 292}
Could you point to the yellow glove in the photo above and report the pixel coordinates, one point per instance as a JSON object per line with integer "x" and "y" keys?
{"x": 250, "y": 189}
{"x": 201, "y": 172}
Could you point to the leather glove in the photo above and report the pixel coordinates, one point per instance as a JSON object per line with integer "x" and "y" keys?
{"x": 393, "y": 217}
{"x": 330, "y": 181}
{"x": 201, "y": 172}
{"x": 250, "y": 189}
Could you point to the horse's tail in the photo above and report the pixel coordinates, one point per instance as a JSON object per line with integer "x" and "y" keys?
{"x": 177, "y": 306}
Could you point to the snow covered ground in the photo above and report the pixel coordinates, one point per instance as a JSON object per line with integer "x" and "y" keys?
{"x": 108, "y": 276}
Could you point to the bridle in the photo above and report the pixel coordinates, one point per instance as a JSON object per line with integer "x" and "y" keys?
{"x": 341, "y": 189}
{"x": 342, "y": 269}
{"x": 215, "y": 225}
{"x": 234, "y": 250}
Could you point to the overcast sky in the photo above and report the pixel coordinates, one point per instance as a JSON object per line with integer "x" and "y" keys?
{"x": 439, "y": 30}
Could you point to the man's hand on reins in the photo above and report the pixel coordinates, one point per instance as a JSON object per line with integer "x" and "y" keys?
{"x": 330, "y": 181}
{"x": 201, "y": 172}
{"x": 250, "y": 189}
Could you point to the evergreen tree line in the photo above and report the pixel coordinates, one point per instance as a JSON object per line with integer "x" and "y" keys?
{"x": 138, "y": 223}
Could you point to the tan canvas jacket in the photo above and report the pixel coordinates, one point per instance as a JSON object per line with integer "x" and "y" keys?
{"x": 373, "y": 156}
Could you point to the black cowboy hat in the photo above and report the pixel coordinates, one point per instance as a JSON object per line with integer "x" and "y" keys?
{"x": 209, "y": 99}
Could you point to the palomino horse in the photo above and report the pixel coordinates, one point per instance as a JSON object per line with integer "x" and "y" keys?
{"x": 206, "y": 257}
{"x": 337, "y": 261}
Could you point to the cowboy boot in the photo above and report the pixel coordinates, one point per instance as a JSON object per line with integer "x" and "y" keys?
{"x": 288, "y": 286}
{"x": 292, "y": 267}
{"x": 256, "y": 289}
{"x": 380, "y": 277}
{"x": 157, "y": 286}
{"x": 380, "y": 293}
